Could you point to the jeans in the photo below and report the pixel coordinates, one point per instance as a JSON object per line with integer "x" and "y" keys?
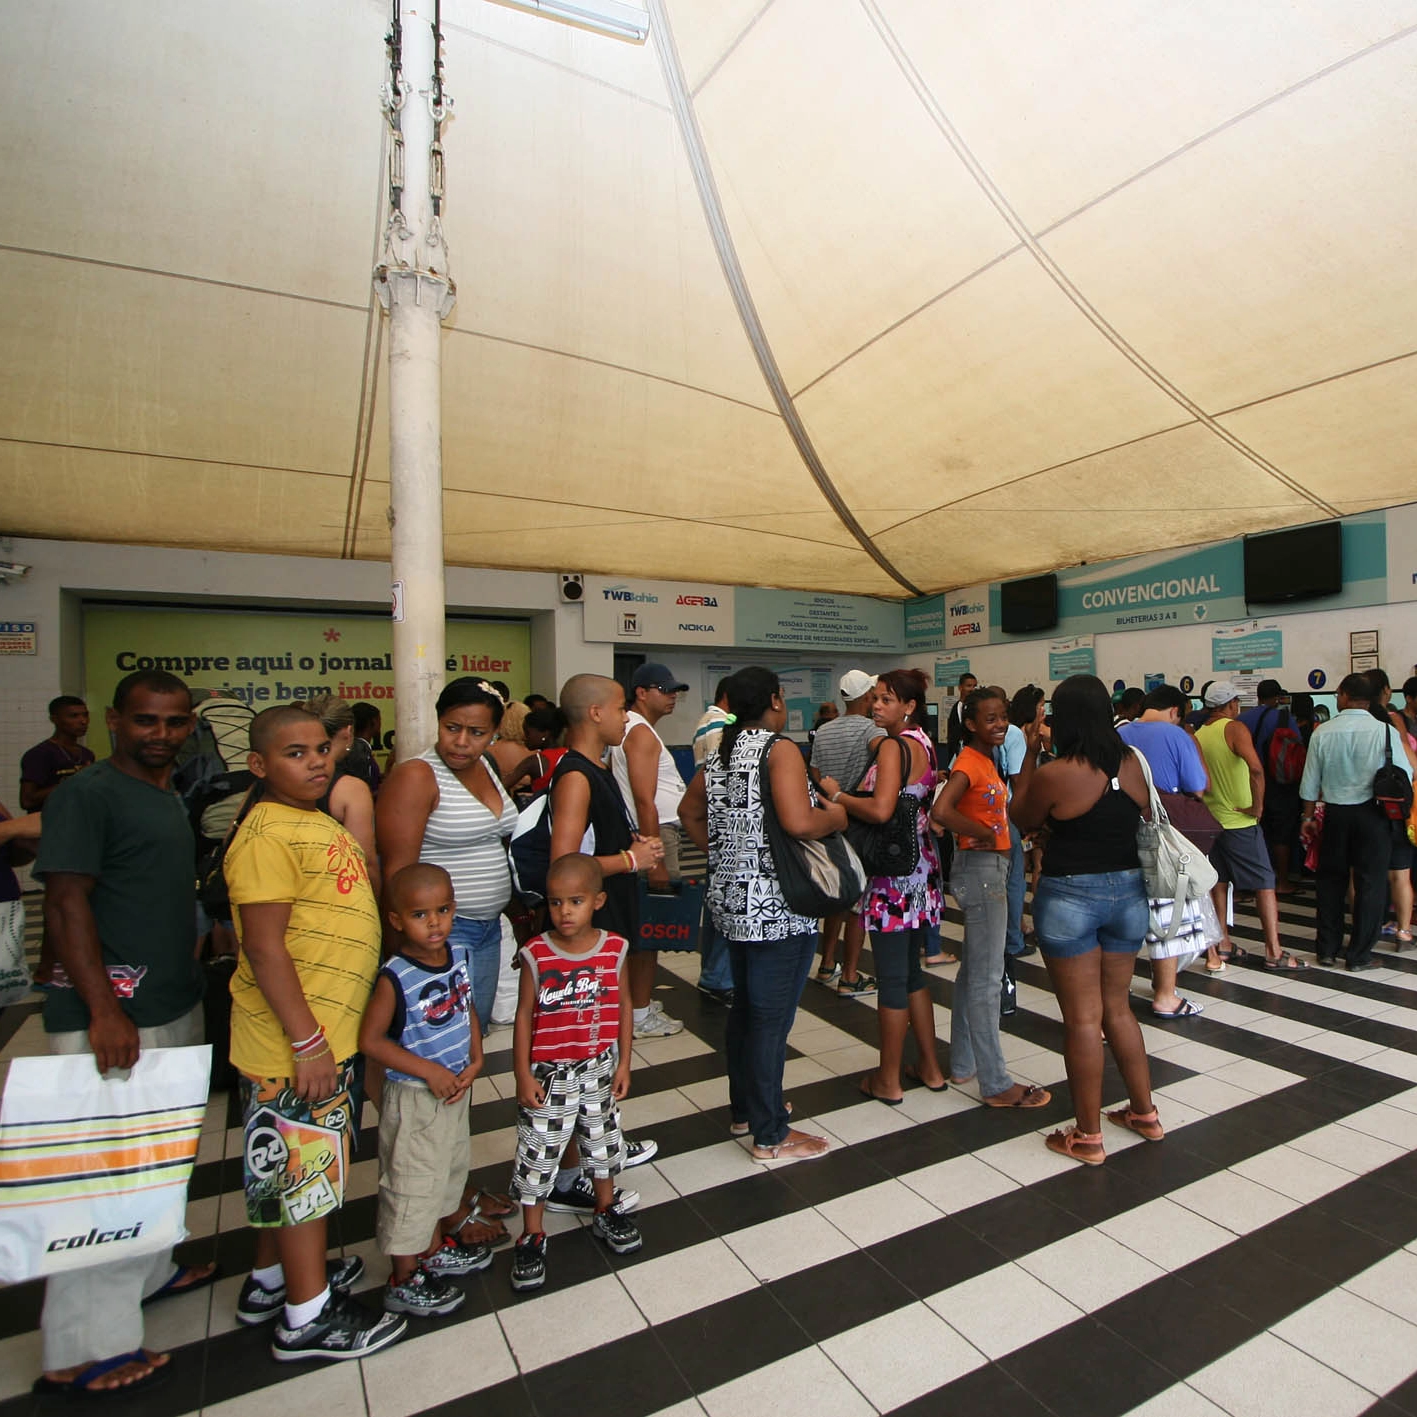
{"x": 1359, "y": 838}
{"x": 979, "y": 882}
{"x": 96, "y": 1312}
{"x": 1018, "y": 882}
{"x": 1076, "y": 914}
{"x": 483, "y": 941}
{"x": 715, "y": 971}
{"x": 768, "y": 978}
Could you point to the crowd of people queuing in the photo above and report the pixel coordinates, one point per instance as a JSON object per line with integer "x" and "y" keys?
{"x": 369, "y": 906}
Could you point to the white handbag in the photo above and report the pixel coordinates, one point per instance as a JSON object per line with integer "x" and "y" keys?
{"x": 1175, "y": 868}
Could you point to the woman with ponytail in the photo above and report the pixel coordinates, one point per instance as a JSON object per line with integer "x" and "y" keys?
{"x": 898, "y": 911}
{"x": 770, "y": 947}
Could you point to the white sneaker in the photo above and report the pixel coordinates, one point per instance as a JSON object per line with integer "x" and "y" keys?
{"x": 657, "y": 1023}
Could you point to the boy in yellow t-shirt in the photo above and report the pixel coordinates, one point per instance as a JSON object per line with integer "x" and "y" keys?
{"x": 309, "y": 928}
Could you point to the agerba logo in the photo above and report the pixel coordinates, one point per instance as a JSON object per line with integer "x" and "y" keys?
{"x": 707, "y": 600}
{"x": 623, "y": 592}
{"x": 95, "y": 1237}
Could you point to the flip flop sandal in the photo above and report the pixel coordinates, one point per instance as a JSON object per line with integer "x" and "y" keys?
{"x": 864, "y": 1088}
{"x": 1188, "y": 1009}
{"x": 1216, "y": 969}
{"x": 490, "y": 1206}
{"x": 1146, "y": 1125}
{"x": 741, "y": 1129}
{"x": 1285, "y": 964}
{"x": 933, "y": 960}
{"x": 481, "y": 1230}
{"x": 174, "y": 1288}
{"x": 1031, "y": 1096}
{"x": 808, "y": 1149}
{"x": 1236, "y": 954}
{"x": 78, "y": 1385}
{"x": 1067, "y": 1144}
{"x": 912, "y": 1074}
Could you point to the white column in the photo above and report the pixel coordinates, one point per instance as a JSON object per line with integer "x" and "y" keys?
{"x": 417, "y": 291}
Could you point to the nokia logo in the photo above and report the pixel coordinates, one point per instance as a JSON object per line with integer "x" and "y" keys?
{"x": 622, "y": 592}
{"x": 96, "y": 1237}
{"x": 697, "y": 600}
{"x": 698, "y": 629}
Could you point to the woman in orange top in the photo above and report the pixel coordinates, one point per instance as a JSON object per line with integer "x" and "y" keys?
{"x": 974, "y": 805}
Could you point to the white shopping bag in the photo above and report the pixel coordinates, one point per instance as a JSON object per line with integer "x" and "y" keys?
{"x": 504, "y": 1005}
{"x": 95, "y": 1169}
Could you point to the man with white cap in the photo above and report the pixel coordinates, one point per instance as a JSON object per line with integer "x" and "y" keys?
{"x": 1236, "y": 799}
{"x": 842, "y": 750}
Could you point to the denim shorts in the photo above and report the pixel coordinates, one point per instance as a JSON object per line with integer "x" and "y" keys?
{"x": 1076, "y": 914}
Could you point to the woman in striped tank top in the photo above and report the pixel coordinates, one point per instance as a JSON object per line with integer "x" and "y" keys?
{"x": 446, "y": 807}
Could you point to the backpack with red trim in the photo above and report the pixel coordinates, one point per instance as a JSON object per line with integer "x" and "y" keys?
{"x": 1286, "y": 754}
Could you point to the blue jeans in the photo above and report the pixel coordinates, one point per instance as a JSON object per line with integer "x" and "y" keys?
{"x": 715, "y": 971}
{"x": 978, "y": 881}
{"x": 483, "y": 941}
{"x": 1076, "y": 914}
{"x": 768, "y": 978}
{"x": 1018, "y": 881}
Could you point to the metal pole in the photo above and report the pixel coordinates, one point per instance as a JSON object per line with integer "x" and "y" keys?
{"x": 417, "y": 291}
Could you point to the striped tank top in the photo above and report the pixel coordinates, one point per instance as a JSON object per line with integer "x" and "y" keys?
{"x": 432, "y": 1011}
{"x": 466, "y": 840}
{"x": 577, "y": 1010}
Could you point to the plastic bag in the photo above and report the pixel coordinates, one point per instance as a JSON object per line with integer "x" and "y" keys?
{"x": 1198, "y": 931}
{"x": 504, "y": 1005}
{"x": 95, "y": 1169}
{"x": 14, "y": 968}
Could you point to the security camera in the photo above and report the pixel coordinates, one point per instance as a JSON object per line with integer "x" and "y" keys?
{"x": 12, "y": 570}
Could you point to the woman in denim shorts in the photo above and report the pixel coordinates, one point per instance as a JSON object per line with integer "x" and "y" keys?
{"x": 1090, "y": 908}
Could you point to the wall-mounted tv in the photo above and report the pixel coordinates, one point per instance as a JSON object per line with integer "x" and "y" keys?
{"x": 1029, "y": 605}
{"x": 1301, "y": 564}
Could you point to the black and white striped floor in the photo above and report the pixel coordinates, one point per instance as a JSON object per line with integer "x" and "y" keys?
{"x": 939, "y": 1260}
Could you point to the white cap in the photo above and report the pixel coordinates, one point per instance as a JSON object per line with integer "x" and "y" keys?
{"x": 855, "y": 683}
{"x": 1221, "y": 693}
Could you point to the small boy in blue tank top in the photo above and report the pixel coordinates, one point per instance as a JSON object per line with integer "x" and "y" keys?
{"x": 421, "y": 1026}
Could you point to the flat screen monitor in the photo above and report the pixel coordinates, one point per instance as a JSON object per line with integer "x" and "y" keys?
{"x": 1028, "y": 605}
{"x": 1301, "y": 564}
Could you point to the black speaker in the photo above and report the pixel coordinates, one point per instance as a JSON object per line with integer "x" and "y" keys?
{"x": 572, "y": 588}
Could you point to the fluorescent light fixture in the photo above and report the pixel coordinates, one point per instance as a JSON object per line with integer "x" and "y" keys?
{"x": 607, "y": 17}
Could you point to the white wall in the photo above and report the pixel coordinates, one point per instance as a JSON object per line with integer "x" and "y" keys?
{"x": 63, "y": 574}
{"x": 1313, "y": 640}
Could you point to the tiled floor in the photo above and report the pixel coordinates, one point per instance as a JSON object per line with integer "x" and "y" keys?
{"x": 939, "y": 1260}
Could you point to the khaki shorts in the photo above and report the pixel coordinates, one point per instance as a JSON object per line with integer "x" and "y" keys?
{"x": 669, "y": 836}
{"x": 423, "y": 1164}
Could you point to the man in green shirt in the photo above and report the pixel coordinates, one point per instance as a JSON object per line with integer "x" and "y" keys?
{"x": 117, "y": 860}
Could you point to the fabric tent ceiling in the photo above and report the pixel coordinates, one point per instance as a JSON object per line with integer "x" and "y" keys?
{"x": 1042, "y": 282}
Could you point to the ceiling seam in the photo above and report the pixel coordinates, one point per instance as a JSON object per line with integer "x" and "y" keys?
{"x": 171, "y": 457}
{"x": 742, "y": 296}
{"x": 1317, "y": 383}
{"x": 1231, "y": 122}
{"x": 728, "y": 52}
{"x": 1056, "y": 273}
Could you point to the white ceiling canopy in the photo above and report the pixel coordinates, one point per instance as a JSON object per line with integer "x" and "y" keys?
{"x": 861, "y": 295}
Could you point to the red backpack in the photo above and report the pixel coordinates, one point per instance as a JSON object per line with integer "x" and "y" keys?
{"x": 1284, "y": 759}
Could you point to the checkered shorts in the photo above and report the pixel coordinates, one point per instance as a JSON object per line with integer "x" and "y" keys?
{"x": 579, "y": 1102}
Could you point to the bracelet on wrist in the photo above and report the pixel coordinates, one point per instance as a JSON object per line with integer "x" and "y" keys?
{"x": 312, "y": 1057}
{"x": 629, "y": 862}
{"x": 313, "y": 1044}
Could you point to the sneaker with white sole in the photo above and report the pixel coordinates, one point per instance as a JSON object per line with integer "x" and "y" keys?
{"x": 620, "y": 1234}
{"x": 580, "y": 1198}
{"x": 258, "y": 1305}
{"x": 638, "y": 1152}
{"x": 529, "y": 1263}
{"x": 423, "y": 1295}
{"x": 657, "y": 1023}
{"x": 457, "y": 1257}
{"x": 341, "y": 1330}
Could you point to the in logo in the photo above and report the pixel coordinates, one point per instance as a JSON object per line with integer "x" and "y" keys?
{"x": 630, "y": 623}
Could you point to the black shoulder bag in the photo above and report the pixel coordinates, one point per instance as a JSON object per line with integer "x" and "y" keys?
{"x": 892, "y": 847}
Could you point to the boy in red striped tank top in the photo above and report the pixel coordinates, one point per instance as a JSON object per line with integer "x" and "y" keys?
{"x": 571, "y": 1052}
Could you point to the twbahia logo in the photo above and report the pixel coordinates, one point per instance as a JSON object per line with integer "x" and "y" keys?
{"x": 965, "y": 608}
{"x": 623, "y": 592}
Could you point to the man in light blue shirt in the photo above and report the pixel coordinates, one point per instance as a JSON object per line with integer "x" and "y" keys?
{"x": 1344, "y": 756}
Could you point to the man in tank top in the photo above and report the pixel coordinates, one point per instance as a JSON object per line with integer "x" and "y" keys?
{"x": 650, "y": 782}
{"x": 1236, "y": 799}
